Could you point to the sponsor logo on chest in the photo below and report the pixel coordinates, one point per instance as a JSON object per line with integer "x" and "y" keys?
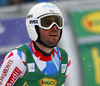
{"x": 63, "y": 68}
{"x": 48, "y": 82}
{"x": 31, "y": 67}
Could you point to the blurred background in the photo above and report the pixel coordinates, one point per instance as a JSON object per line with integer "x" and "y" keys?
{"x": 81, "y": 35}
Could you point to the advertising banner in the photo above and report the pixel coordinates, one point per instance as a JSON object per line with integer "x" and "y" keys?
{"x": 87, "y": 24}
{"x": 1, "y": 58}
{"x": 90, "y": 58}
{"x": 13, "y": 31}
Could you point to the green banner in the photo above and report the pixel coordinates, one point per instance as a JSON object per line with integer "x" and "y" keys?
{"x": 90, "y": 57}
{"x": 86, "y": 23}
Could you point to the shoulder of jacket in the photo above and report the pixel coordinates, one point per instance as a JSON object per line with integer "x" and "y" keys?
{"x": 62, "y": 50}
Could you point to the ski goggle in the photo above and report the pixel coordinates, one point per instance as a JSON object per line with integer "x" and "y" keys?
{"x": 46, "y": 22}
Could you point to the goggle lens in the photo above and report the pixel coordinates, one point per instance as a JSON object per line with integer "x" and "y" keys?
{"x": 48, "y": 20}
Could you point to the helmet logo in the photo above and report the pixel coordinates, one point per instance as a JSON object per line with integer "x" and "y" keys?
{"x": 30, "y": 16}
{"x": 52, "y": 11}
{"x": 49, "y": 5}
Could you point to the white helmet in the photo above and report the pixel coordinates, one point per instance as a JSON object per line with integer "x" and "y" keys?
{"x": 38, "y": 11}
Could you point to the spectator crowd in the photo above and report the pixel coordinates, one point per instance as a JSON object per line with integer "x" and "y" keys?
{"x": 12, "y": 2}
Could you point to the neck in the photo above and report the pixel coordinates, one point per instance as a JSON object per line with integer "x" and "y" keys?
{"x": 44, "y": 48}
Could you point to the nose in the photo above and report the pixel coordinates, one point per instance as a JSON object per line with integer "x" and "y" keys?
{"x": 54, "y": 27}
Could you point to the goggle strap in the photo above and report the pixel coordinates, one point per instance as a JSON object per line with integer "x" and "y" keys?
{"x": 32, "y": 21}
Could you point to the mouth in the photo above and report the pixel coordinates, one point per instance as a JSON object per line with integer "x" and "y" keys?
{"x": 53, "y": 35}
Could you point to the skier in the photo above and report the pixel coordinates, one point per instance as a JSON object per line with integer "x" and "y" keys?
{"x": 39, "y": 62}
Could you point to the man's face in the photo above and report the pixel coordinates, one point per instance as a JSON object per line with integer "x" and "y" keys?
{"x": 50, "y": 37}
